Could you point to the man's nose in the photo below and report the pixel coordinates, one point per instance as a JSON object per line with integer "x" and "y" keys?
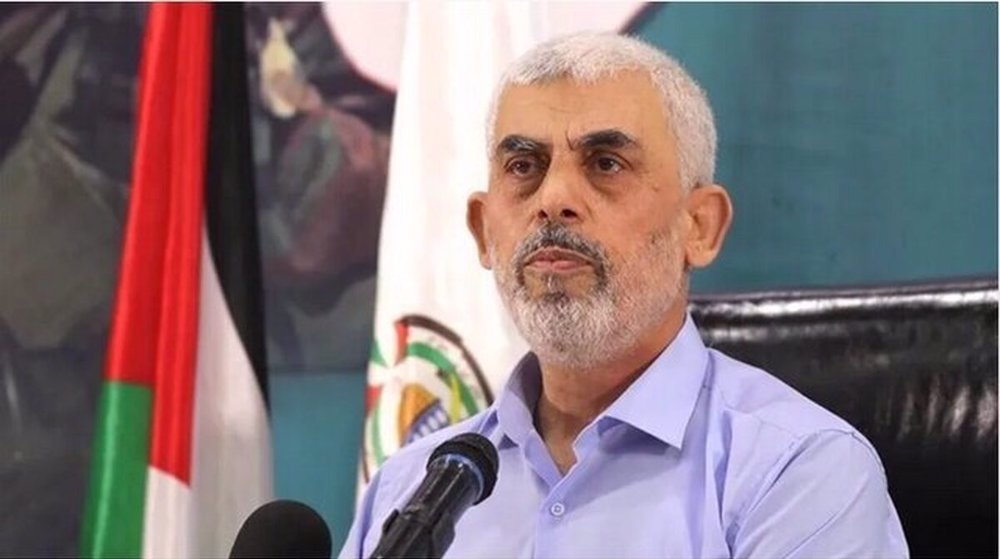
{"x": 560, "y": 196}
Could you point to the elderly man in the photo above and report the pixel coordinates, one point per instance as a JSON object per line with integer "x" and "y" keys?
{"x": 621, "y": 434}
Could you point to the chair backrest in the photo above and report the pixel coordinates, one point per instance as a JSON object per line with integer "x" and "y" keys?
{"x": 914, "y": 368}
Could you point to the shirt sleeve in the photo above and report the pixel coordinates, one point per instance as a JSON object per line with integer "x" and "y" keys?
{"x": 354, "y": 544}
{"x": 827, "y": 497}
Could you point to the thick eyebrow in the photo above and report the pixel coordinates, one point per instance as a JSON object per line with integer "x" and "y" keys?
{"x": 610, "y": 138}
{"x": 515, "y": 143}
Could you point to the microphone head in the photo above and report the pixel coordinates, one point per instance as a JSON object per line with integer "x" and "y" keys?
{"x": 478, "y": 450}
{"x": 283, "y": 529}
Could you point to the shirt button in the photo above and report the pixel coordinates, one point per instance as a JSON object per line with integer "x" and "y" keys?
{"x": 557, "y": 509}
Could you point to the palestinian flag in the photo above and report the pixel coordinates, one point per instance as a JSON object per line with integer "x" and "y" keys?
{"x": 182, "y": 452}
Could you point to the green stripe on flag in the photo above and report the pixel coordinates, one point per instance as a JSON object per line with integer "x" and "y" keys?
{"x": 113, "y": 517}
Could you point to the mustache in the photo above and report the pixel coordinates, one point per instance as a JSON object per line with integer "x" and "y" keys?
{"x": 559, "y": 236}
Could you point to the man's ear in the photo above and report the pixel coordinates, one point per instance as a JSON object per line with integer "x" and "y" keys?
{"x": 710, "y": 212}
{"x": 475, "y": 216}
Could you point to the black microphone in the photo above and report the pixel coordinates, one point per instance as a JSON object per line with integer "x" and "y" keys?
{"x": 282, "y": 529}
{"x": 461, "y": 472}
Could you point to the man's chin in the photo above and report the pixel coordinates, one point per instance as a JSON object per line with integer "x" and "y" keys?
{"x": 558, "y": 301}
{"x": 554, "y": 291}
{"x": 578, "y": 285}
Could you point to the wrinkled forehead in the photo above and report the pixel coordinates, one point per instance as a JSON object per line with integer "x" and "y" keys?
{"x": 560, "y": 110}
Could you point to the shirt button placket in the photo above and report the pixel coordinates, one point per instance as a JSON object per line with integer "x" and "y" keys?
{"x": 550, "y": 525}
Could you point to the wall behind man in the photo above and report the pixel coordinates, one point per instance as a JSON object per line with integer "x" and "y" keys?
{"x": 858, "y": 141}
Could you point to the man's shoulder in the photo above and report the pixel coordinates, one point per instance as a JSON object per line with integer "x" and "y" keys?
{"x": 763, "y": 403}
{"x": 770, "y": 431}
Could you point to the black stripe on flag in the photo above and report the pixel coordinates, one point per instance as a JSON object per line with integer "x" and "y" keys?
{"x": 230, "y": 204}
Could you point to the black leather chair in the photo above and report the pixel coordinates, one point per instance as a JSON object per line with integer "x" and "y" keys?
{"x": 914, "y": 368}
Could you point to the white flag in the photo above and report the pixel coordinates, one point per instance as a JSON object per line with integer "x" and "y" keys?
{"x": 443, "y": 342}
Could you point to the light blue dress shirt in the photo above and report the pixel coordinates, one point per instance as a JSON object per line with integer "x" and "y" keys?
{"x": 702, "y": 456}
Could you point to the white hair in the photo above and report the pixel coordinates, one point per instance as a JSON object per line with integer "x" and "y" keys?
{"x": 589, "y": 56}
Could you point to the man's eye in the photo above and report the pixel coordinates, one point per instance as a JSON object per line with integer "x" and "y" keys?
{"x": 522, "y": 167}
{"x": 608, "y": 165}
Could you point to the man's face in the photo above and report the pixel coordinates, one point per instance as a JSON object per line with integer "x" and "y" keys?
{"x": 583, "y": 221}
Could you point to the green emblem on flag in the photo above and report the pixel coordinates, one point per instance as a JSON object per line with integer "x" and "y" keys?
{"x": 432, "y": 381}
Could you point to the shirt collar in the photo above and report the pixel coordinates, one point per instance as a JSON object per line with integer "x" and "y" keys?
{"x": 659, "y": 402}
{"x": 514, "y": 410}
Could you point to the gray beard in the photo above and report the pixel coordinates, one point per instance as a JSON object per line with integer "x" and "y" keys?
{"x": 587, "y": 331}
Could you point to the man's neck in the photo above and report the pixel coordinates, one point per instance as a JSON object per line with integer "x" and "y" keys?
{"x": 572, "y": 397}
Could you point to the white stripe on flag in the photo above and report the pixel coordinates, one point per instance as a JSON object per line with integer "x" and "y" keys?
{"x": 231, "y": 473}
{"x": 168, "y": 523}
{"x": 231, "y": 447}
